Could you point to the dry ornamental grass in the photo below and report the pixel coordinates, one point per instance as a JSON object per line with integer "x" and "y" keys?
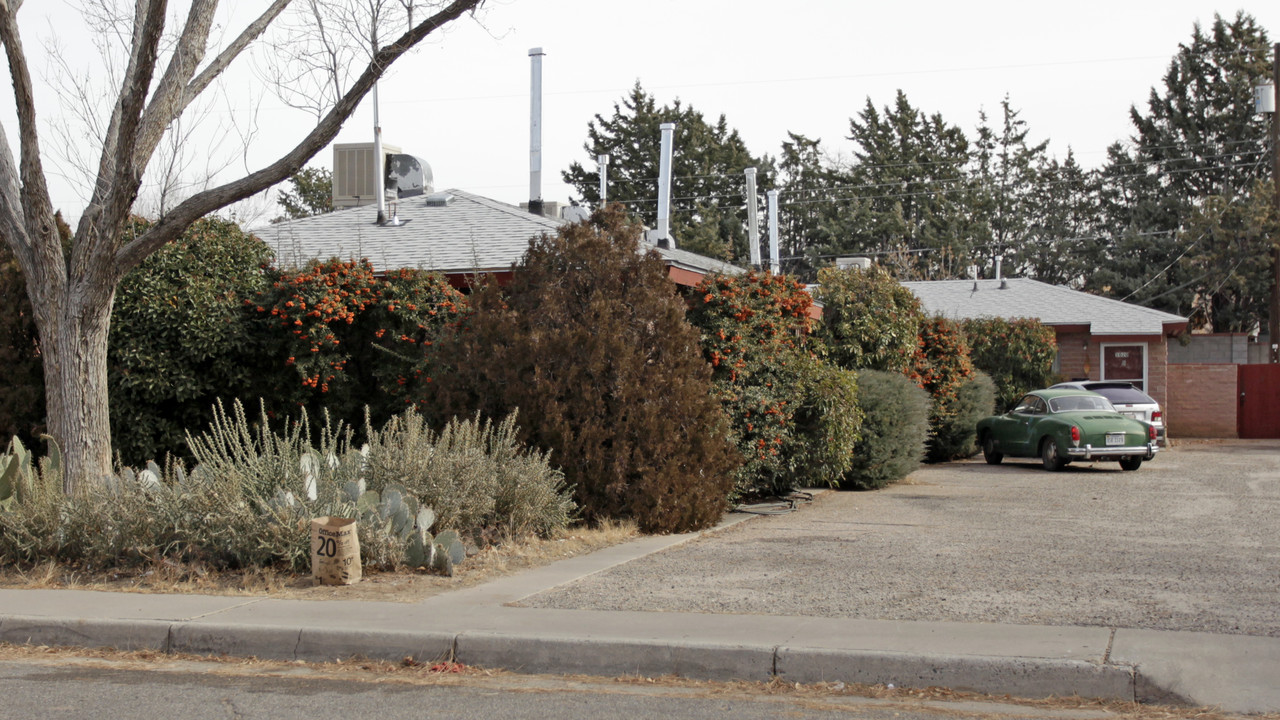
{"x": 405, "y": 586}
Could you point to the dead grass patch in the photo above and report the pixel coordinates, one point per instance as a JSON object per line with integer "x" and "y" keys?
{"x": 406, "y": 586}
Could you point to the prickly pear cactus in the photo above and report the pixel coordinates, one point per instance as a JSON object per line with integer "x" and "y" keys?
{"x": 19, "y": 476}
{"x": 420, "y": 551}
{"x": 449, "y": 551}
{"x": 443, "y": 563}
{"x": 8, "y": 482}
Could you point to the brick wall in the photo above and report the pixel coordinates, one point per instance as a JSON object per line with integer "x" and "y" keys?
{"x": 1201, "y": 401}
{"x": 1158, "y": 371}
{"x": 1079, "y": 354}
{"x": 1073, "y": 355}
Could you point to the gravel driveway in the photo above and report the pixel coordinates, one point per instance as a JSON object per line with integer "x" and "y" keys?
{"x": 1191, "y": 541}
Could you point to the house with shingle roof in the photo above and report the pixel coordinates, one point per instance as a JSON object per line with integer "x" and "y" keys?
{"x": 1098, "y": 338}
{"x": 453, "y": 232}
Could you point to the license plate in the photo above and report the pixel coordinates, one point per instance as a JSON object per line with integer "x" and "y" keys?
{"x": 1134, "y": 415}
{"x": 1115, "y": 438}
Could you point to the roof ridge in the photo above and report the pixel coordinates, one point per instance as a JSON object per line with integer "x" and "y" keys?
{"x": 506, "y": 208}
{"x": 1103, "y": 298}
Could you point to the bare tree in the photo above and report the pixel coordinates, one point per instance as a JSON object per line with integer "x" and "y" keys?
{"x": 312, "y": 64}
{"x": 72, "y": 296}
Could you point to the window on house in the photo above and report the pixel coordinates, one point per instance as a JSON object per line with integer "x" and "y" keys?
{"x": 1127, "y": 362}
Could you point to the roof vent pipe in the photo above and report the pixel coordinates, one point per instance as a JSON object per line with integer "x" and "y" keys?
{"x": 535, "y": 131}
{"x": 775, "y": 263}
{"x": 379, "y": 162}
{"x": 753, "y": 218}
{"x": 602, "y": 162}
{"x": 662, "y": 235}
{"x": 999, "y": 258}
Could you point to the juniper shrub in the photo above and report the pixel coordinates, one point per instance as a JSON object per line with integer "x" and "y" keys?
{"x": 590, "y": 342}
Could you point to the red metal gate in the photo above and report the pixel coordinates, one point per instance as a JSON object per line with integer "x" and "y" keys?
{"x": 1259, "y": 415}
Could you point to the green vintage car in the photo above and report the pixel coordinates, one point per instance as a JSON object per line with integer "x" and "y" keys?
{"x": 1059, "y": 426}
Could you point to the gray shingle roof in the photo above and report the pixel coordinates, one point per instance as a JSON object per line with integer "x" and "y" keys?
{"x": 470, "y": 233}
{"x": 1051, "y": 304}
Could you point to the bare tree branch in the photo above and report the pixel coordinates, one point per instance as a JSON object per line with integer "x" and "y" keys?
{"x": 147, "y": 26}
{"x": 232, "y": 51}
{"x": 11, "y": 202}
{"x": 34, "y": 192}
{"x": 170, "y": 226}
{"x": 167, "y": 101}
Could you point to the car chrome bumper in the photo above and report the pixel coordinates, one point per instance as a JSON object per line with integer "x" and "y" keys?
{"x": 1089, "y": 452}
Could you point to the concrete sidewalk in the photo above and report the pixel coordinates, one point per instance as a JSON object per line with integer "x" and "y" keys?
{"x": 478, "y": 626}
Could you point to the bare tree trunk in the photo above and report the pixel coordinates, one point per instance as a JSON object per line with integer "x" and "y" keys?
{"x": 75, "y": 370}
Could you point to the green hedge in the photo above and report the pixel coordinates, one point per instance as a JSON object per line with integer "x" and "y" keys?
{"x": 179, "y": 338}
{"x": 1018, "y": 354}
{"x": 895, "y": 428}
{"x": 955, "y": 428}
{"x": 869, "y": 320}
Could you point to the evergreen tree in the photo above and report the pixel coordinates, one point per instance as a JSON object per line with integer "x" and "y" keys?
{"x": 1230, "y": 264}
{"x": 807, "y": 218}
{"x": 1197, "y": 139}
{"x": 312, "y": 194}
{"x": 913, "y": 193}
{"x": 1007, "y": 172}
{"x": 1062, "y": 233}
{"x": 590, "y": 342}
{"x": 708, "y": 207}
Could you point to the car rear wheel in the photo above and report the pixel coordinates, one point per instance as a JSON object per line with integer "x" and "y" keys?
{"x": 1130, "y": 463}
{"x": 1053, "y": 460}
{"x": 989, "y": 451}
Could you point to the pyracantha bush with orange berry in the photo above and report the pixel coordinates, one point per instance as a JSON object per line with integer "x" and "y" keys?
{"x": 351, "y": 338}
{"x": 941, "y": 367}
{"x": 792, "y": 424}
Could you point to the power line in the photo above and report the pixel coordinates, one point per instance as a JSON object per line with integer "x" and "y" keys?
{"x": 928, "y": 187}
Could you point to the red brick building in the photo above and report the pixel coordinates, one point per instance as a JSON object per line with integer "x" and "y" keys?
{"x": 1098, "y": 338}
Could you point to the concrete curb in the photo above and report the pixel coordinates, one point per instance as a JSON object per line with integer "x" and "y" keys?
{"x": 564, "y": 655}
{"x": 1024, "y": 677}
{"x": 81, "y": 632}
{"x": 613, "y": 657}
{"x": 260, "y": 641}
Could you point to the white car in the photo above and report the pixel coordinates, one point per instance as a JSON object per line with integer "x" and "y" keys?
{"x": 1127, "y": 399}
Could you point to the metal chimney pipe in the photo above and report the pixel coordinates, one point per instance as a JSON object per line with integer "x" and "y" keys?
{"x": 999, "y": 258}
{"x": 535, "y": 131}
{"x": 602, "y": 161}
{"x": 664, "y": 185}
{"x": 379, "y": 162}
{"x": 753, "y": 218}
{"x": 775, "y": 262}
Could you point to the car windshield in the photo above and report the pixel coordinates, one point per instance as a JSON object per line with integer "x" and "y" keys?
{"x": 1068, "y": 403}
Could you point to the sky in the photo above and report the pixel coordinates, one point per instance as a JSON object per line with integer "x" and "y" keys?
{"x": 461, "y": 102}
